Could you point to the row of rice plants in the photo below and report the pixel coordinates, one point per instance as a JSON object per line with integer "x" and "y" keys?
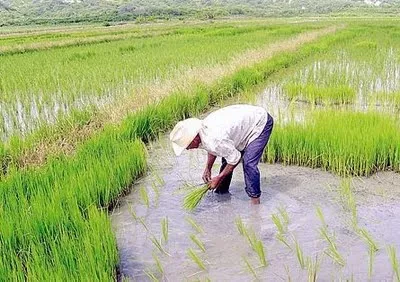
{"x": 38, "y": 87}
{"x": 344, "y": 142}
{"x": 66, "y": 235}
{"x": 364, "y": 70}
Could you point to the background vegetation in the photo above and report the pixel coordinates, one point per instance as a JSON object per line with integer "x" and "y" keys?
{"x": 71, "y": 11}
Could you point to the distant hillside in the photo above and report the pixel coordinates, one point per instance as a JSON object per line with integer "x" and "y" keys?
{"x": 62, "y": 11}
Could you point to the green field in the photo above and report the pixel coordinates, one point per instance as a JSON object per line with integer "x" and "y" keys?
{"x": 65, "y": 159}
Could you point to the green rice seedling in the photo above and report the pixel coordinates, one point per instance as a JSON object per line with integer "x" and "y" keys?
{"x": 193, "y": 197}
{"x": 320, "y": 215}
{"x": 299, "y": 254}
{"x": 279, "y": 224}
{"x": 158, "y": 245}
{"x": 194, "y": 224}
{"x": 332, "y": 250}
{"x": 257, "y": 246}
{"x": 158, "y": 264}
{"x": 348, "y": 199}
{"x": 151, "y": 275}
{"x": 250, "y": 268}
{"x": 193, "y": 256}
{"x": 197, "y": 241}
{"x": 281, "y": 238}
{"x": 289, "y": 278}
{"x": 312, "y": 268}
{"x": 133, "y": 213}
{"x": 141, "y": 221}
{"x": 144, "y": 196}
{"x": 368, "y": 239}
{"x": 371, "y": 258}
{"x": 164, "y": 228}
{"x": 156, "y": 191}
{"x": 240, "y": 226}
{"x": 394, "y": 261}
{"x": 285, "y": 216}
{"x": 158, "y": 179}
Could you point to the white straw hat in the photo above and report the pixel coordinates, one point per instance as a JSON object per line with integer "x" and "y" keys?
{"x": 183, "y": 134}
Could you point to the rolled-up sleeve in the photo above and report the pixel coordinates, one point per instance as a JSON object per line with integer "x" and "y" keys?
{"x": 226, "y": 149}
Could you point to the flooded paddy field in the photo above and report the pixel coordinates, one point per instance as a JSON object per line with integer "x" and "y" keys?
{"x": 332, "y": 221}
{"x": 296, "y": 190}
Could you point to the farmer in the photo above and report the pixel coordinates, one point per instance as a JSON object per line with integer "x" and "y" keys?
{"x": 235, "y": 132}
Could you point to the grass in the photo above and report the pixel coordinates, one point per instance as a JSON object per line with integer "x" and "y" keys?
{"x": 194, "y": 196}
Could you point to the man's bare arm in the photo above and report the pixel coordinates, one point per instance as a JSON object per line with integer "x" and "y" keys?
{"x": 207, "y": 172}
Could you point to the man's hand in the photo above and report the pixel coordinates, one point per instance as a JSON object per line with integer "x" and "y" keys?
{"x": 215, "y": 182}
{"x": 207, "y": 175}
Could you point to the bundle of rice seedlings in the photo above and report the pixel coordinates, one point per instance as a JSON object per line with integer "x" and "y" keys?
{"x": 193, "y": 197}
{"x": 250, "y": 268}
{"x": 164, "y": 228}
{"x": 394, "y": 261}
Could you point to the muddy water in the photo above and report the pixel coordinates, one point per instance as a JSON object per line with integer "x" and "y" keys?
{"x": 299, "y": 190}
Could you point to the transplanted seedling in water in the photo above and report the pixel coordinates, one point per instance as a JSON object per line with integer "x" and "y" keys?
{"x": 164, "y": 228}
{"x": 158, "y": 245}
{"x": 257, "y": 246}
{"x": 332, "y": 250}
{"x": 191, "y": 254}
{"x": 151, "y": 275}
{"x": 394, "y": 261}
{"x": 144, "y": 196}
{"x": 193, "y": 223}
{"x": 312, "y": 268}
{"x": 197, "y": 241}
{"x": 240, "y": 226}
{"x": 158, "y": 264}
{"x": 250, "y": 268}
{"x": 299, "y": 254}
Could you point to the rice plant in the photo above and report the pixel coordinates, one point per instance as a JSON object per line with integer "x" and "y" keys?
{"x": 250, "y": 268}
{"x": 197, "y": 241}
{"x": 143, "y": 223}
{"x": 348, "y": 199}
{"x": 158, "y": 264}
{"x": 196, "y": 259}
{"x": 394, "y": 262}
{"x": 368, "y": 239}
{"x": 312, "y": 269}
{"x": 164, "y": 228}
{"x": 299, "y": 254}
{"x": 332, "y": 250}
{"x": 280, "y": 226}
{"x": 240, "y": 226}
{"x": 194, "y": 196}
{"x": 257, "y": 246}
{"x": 144, "y": 196}
{"x": 151, "y": 275}
{"x": 194, "y": 224}
{"x": 371, "y": 258}
{"x": 158, "y": 245}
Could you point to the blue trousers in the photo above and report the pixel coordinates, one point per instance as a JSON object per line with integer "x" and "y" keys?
{"x": 251, "y": 156}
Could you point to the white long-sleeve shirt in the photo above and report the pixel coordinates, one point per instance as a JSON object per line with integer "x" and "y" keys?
{"x": 227, "y": 131}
